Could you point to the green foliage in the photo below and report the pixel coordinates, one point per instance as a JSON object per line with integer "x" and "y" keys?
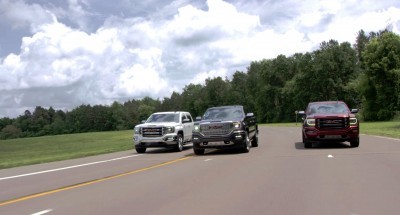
{"x": 365, "y": 76}
{"x": 380, "y": 84}
{"x": 10, "y": 131}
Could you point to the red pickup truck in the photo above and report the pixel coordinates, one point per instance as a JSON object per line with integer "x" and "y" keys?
{"x": 329, "y": 121}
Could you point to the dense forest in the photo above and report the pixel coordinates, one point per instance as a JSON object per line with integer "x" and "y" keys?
{"x": 366, "y": 75}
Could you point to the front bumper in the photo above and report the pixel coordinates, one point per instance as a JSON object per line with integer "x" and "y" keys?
{"x": 168, "y": 140}
{"x": 345, "y": 134}
{"x": 231, "y": 140}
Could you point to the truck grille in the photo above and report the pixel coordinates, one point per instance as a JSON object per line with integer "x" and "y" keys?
{"x": 332, "y": 123}
{"x": 152, "y": 132}
{"x": 216, "y": 129}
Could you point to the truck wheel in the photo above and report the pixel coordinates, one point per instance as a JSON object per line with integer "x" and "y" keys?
{"x": 246, "y": 144}
{"x": 179, "y": 143}
{"x": 140, "y": 150}
{"x": 198, "y": 151}
{"x": 307, "y": 144}
{"x": 254, "y": 141}
{"x": 355, "y": 142}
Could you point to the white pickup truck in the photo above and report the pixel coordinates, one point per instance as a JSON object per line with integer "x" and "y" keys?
{"x": 164, "y": 129}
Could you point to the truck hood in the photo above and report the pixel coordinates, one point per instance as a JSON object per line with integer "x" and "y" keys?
{"x": 218, "y": 121}
{"x": 341, "y": 115}
{"x": 158, "y": 124}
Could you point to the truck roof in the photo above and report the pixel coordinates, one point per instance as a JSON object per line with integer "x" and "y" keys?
{"x": 170, "y": 112}
{"x": 226, "y": 106}
{"x": 326, "y": 102}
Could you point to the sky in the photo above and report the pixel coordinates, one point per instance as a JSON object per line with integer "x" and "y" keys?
{"x": 64, "y": 53}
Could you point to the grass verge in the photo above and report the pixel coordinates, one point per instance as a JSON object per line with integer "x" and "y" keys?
{"x": 387, "y": 129}
{"x": 26, "y": 151}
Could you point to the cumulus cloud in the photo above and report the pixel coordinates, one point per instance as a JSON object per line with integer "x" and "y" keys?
{"x": 21, "y": 14}
{"x": 64, "y": 65}
{"x": 97, "y": 67}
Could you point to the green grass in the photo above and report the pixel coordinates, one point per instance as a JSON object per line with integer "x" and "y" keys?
{"x": 387, "y": 129}
{"x": 26, "y": 151}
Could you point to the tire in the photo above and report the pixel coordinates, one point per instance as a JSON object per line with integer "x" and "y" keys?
{"x": 246, "y": 144}
{"x": 198, "y": 151}
{"x": 254, "y": 141}
{"x": 307, "y": 144}
{"x": 179, "y": 143}
{"x": 355, "y": 142}
{"x": 140, "y": 150}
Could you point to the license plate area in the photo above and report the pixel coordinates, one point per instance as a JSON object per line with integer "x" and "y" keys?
{"x": 219, "y": 143}
{"x": 332, "y": 136}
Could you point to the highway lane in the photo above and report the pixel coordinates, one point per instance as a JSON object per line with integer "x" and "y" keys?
{"x": 279, "y": 177}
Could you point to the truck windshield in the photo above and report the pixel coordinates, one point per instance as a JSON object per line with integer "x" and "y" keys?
{"x": 223, "y": 113}
{"x": 328, "y": 108}
{"x": 167, "y": 117}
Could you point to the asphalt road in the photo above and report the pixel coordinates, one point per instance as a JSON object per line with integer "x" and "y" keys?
{"x": 278, "y": 177}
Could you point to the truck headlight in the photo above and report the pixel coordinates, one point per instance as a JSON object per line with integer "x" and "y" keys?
{"x": 236, "y": 124}
{"x": 138, "y": 130}
{"x": 196, "y": 128}
{"x": 169, "y": 130}
{"x": 310, "y": 122}
{"x": 353, "y": 121}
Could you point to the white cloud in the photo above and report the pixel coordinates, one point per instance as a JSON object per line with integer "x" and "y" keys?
{"x": 21, "y": 14}
{"x": 201, "y": 77}
{"x": 345, "y": 28}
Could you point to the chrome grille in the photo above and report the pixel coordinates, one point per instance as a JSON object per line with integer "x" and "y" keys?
{"x": 332, "y": 123}
{"x": 152, "y": 132}
{"x": 216, "y": 129}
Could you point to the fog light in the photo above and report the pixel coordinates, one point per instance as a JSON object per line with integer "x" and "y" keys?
{"x": 310, "y": 132}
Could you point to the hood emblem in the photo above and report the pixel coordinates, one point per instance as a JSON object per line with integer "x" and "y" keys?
{"x": 215, "y": 126}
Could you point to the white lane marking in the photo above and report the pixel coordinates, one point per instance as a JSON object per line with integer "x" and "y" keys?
{"x": 42, "y": 212}
{"x": 330, "y": 156}
{"x": 207, "y": 160}
{"x": 388, "y": 138}
{"x": 68, "y": 167}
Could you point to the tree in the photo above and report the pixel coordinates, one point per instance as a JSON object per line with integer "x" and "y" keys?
{"x": 5, "y": 121}
{"x": 145, "y": 111}
{"x": 380, "y": 86}
{"x": 119, "y": 116}
{"x": 132, "y": 111}
{"x": 10, "y": 131}
{"x": 215, "y": 92}
{"x": 193, "y": 99}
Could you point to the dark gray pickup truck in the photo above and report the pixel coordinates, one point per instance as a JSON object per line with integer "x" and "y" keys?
{"x": 225, "y": 127}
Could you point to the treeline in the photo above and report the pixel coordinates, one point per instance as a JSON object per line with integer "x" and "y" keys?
{"x": 366, "y": 75}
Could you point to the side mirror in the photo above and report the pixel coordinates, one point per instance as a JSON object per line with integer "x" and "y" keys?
{"x": 301, "y": 113}
{"x": 143, "y": 121}
{"x": 198, "y": 118}
{"x": 185, "y": 121}
{"x": 354, "y": 110}
{"x": 250, "y": 114}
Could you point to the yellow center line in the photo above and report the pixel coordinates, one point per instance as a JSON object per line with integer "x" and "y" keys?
{"x": 89, "y": 182}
